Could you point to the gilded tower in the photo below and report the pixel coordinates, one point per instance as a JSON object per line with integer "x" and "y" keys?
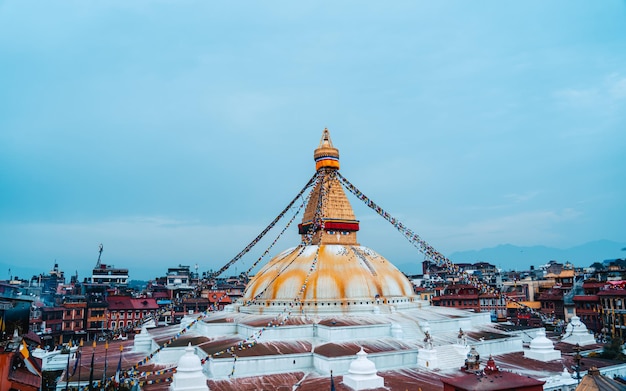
{"x": 328, "y": 213}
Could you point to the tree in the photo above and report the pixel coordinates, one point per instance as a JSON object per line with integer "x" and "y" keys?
{"x": 613, "y": 350}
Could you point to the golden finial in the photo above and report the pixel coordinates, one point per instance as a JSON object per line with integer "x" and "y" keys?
{"x": 326, "y": 155}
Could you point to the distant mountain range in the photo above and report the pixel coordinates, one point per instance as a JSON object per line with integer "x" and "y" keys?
{"x": 510, "y": 257}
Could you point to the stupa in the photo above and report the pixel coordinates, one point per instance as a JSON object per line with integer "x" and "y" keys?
{"x": 542, "y": 349}
{"x": 330, "y": 272}
{"x": 314, "y": 306}
{"x": 576, "y": 333}
{"x": 362, "y": 374}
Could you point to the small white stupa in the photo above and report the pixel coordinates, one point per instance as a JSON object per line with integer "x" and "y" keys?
{"x": 427, "y": 356}
{"x": 189, "y": 376}
{"x": 396, "y": 331}
{"x": 576, "y": 333}
{"x": 143, "y": 341}
{"x": 362, "y": 374}
{"x": 542, "y": 349}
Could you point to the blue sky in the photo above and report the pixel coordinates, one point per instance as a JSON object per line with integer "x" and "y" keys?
{"x": 174, "y": 131}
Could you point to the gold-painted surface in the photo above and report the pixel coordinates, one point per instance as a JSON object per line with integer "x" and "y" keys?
{"x": 339, "y": 274}
{"x": 326, "y": 163}
{"x": 326, "y": 148}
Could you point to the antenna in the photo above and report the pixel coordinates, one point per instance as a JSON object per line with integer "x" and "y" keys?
{"x": 99, "y": 255}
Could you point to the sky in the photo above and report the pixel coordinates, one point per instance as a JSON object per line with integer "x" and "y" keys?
{"x": 173, "y": 132}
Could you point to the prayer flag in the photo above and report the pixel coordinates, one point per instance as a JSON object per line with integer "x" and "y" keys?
{"x": 24, "y": 350}
{"x": 119, "y": 366}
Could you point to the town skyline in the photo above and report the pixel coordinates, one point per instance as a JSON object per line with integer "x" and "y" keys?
{"x": 173, "y": 134}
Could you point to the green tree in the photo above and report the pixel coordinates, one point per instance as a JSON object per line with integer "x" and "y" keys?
{"x": 613, "y": 350}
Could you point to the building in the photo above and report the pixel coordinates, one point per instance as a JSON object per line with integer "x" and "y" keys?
{"x": 613, "y": 301}
{"x": 108, "y": 274}
{"x": 588, "y": 307}
{"x": 96, "y": 316}
{"x": 74, "y": 312}
{"x": 128, "y": 312}
{"x": 467, "y": 296}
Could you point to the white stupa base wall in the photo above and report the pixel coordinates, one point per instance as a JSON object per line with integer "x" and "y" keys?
{"x": 215, "y": 328}
{"x": 427, "y": 358}
{"x": 383, "y": 361}
{"x": 222, "y": 368}
{"x": 278, "y": 333}
{"x": 581, "y": 339}
{"x": 331, "y": 334}
{"x": 363, "y": 382}
{"x": 169, "y": 355}
{"x": 339, "y": 307}
{"x": 544, "y": 356}
{"x": 499, "y": 346}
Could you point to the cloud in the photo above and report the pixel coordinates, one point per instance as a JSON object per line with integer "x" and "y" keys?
{"x": 617, "y": 87}
{"x": 607, "y": 93}
{"x": 527, "y": 196}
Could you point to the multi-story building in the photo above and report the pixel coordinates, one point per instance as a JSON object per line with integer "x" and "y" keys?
{"x": 52, "y": 324}
{"x": 74, "y": 312}
{"x": 552, "y": 304}
{"x": 96, "y": 317}
{"x": 588, "y": 307}
{"x": 217, "y": 299}
{"x": 467, "y": 296}
{"x": 613, "y": 301}
{"x": 109, "y": 275}
{"x": 187, "y": 306}
{"x": 127, "y": 311}
{"x": 524, "y": 313}
{"x": 178, "y": 278}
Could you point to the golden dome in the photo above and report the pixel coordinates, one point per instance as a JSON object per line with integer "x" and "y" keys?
{"x": 343, "y": 277}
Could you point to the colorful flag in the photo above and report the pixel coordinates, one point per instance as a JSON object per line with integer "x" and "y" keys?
{"x": 24, "y": 350}
{"x": 32, "y": 366}
{"x": 119, "y": 366}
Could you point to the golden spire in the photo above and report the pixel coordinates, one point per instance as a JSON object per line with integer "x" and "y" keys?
{"x": 328, "y": 201}
{"x": 326, "y": 155}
